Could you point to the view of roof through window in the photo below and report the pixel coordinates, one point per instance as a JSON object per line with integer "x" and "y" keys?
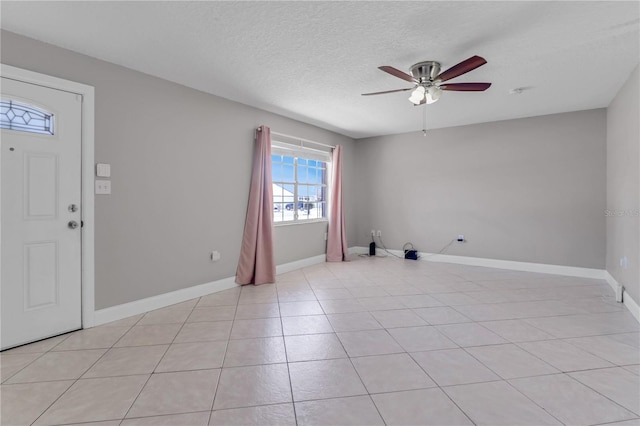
{"x": 299, "y": 188}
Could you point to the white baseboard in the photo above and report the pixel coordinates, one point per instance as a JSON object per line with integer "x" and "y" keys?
{"x": 570, "y": 271}
{"x": 627, "y": 300}
{"x": 358, "y": 250}
{"x": 631, "y": 305}
{"x": 114, "y": 313}
{"x": 612, "y": 282}
{"x": 302, "y": 263}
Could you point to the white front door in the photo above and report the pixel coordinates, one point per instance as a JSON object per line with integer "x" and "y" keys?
{"x": 41, "y": 212}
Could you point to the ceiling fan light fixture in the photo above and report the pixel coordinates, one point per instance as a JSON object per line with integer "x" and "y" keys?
{"x": 417, "y": 95}
{"x": 433, "y": 94}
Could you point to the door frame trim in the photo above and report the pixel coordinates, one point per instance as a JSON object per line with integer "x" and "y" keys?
{"x": 86, "y": 178}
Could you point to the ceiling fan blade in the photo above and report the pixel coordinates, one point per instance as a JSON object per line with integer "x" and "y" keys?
{"x": 397, "y": 73}
{"x": 386, "y": 91}
{"x": 466, "y": 87}
{"x": 461, "y": 68}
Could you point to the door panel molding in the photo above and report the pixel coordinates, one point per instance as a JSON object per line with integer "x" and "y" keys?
{"x": 87, "y": 175}
{"x": 35, "y": 209}
{"x": 36, "y": 288}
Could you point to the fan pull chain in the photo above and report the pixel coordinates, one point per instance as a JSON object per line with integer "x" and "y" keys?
{"x": 424, "y": 121}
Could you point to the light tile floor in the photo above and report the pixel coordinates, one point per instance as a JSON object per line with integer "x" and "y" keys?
{"x": 369, "y": 342}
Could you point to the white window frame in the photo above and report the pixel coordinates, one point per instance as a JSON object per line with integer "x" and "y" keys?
{"x": 283, "y": 148}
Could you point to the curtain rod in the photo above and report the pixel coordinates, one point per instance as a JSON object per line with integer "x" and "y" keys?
{"x": 299, "y": 139}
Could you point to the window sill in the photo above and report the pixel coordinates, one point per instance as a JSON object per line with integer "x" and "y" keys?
{"x": 299, "y": 222}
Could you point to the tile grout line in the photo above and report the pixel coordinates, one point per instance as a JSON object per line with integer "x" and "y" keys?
{"x": 436, "y": 383}
{"x": 80, "y": 376}
{"x": 90, "y": 367}
{"x": 360, "y": 377}
{"x": 155, "y": 415}
{"x": 519, "y": 345}
{"x": 286, "y": 354}
{"x": 601, "y": 394}
{"x": 534, "y": 402}
{"x": 40, "y": 354}
{"x": 215, "y": 393}
{"x": 159, "y": 361}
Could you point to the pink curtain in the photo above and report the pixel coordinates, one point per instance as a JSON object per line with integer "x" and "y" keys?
{"x": 257, "y": 264}
{"x": 337, "y": 249}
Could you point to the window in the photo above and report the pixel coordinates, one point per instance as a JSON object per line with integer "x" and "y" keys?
{"x": 25, "y": 118}
{"x": 299, "y": 183}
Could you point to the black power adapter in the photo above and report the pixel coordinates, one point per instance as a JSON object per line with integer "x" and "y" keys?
{"x": 410, "y": 252}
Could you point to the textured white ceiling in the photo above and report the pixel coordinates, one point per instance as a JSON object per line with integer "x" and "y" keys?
{"x": 312, "y": 60}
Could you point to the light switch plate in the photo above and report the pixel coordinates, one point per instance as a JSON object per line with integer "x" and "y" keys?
{"x": 103, "y": 170}
{"x": 103, "y": 187}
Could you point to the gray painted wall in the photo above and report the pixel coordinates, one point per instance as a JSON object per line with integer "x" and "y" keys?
{"x": 181, "y": 165}
{"x": 623, "y": 185}
{"x": 529, "y": 190}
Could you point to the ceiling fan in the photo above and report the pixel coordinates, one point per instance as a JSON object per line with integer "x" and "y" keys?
{"x": 430, "y": 82}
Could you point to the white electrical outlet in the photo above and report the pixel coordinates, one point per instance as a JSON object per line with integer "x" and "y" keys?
{"x": 461, "y": 238}
{"x": 373, "y": 232}
{"x": 215, "y": 256}
{"x": 624, "y": 262}
{"x": 379, "y": 233}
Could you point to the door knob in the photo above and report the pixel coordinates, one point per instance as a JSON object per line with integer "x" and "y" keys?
{"x": 73, "y": 224}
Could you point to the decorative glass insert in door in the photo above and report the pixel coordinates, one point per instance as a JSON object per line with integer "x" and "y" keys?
{"x": 25, "y": 118}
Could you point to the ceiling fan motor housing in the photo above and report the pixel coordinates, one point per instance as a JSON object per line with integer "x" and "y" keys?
{"x": 425, "y": 72}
